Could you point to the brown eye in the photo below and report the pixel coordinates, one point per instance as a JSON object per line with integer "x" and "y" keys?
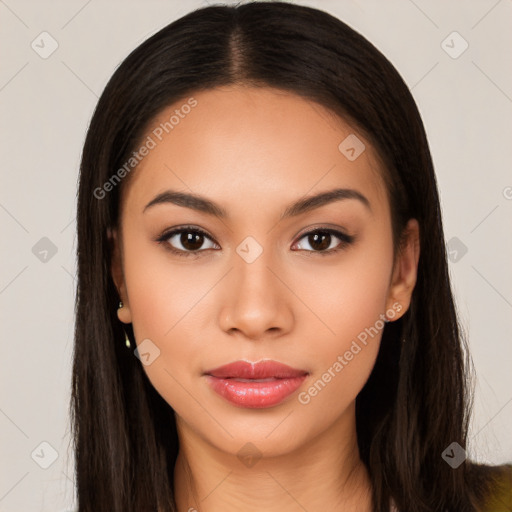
{"x": 191, "y": 241}
{"x": 187, "y": 241}
{"x": 323, "y": 241}
{"x": 320, "y": 240}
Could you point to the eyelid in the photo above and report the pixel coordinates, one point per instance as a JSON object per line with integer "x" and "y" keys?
{"x": 164, "y": 237}
{"x": 345, "y": 239}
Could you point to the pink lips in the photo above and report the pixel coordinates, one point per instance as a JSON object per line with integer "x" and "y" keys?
{"x": 255, "y": 385}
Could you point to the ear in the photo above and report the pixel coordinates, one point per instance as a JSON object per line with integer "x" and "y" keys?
{"x": 116, "y": 269}
{"x": 405, "y": 271}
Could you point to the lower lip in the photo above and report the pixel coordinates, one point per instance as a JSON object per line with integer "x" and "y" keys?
{"x": 255, "y": 395}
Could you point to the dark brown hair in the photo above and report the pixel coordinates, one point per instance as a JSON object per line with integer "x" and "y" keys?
{"x": 416, "y": 401}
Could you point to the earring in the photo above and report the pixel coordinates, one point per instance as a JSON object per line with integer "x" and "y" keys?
{"x": 126, "y": 339}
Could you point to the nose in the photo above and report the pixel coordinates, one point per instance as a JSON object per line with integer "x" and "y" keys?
{"x": 257, "y": 302}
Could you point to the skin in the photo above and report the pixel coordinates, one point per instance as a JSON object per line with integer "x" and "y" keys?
{"x": 254, "y": 151}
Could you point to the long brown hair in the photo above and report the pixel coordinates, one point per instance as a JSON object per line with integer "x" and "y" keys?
{"x": 416, "y": 401}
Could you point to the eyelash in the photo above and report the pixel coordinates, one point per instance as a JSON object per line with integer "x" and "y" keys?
{"x": 345, "y": 239}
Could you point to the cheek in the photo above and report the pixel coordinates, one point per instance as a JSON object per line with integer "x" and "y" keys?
{"x": 165, "y": 301}
{"x": 349, "y": 302}
{"x": 162, "y": 291}
{"x": 347, "y": 294}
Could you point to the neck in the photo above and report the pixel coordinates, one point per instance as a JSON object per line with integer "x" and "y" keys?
{"x": 327, "y": 475}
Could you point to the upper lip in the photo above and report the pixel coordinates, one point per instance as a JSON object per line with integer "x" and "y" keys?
{"x": 259, "y": 370}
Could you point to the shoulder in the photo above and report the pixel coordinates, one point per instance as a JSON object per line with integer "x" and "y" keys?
{"x": 498, "y": 495}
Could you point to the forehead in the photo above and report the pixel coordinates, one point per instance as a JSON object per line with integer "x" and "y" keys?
{"x": 253, "y": 142}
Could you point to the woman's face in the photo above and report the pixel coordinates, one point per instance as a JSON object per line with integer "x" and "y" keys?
{"x": 254, "y": 284}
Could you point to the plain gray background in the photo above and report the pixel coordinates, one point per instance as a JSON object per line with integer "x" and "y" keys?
{"x": 465, "y": 98}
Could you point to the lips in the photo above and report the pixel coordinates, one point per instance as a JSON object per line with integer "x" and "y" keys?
{"x": 255, "y": 385}
{"x": 261, "y": 370}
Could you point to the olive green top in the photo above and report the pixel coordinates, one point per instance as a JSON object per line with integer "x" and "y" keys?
{"x": 500, "y": 494}
{"x": 500, "y": 499}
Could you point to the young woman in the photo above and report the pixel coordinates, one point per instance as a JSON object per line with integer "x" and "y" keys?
{"x": 264, "y": 312}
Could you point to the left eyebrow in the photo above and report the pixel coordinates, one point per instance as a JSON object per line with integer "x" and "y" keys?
{"x": 309, "y": 203}
{"x": 304, "y": 205}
